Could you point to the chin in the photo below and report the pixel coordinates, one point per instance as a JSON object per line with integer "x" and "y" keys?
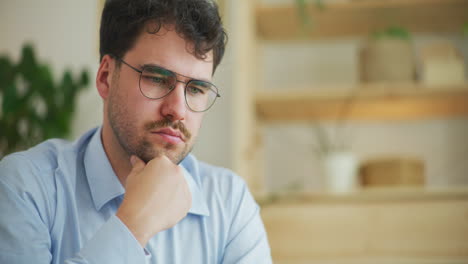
{"x": 176, "y": 156}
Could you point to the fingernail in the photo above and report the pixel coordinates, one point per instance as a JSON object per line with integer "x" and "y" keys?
{"x": 132, "y": 160}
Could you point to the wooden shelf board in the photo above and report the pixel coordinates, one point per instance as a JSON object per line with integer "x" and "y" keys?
{"x": 377, "y": 260}
{"x": 361, "y": 17}
{"x": 363, "y": 102}
{"x": 365, "y": 195}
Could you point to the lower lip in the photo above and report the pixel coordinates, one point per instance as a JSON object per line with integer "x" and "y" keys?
{"x": 168, "y": 138}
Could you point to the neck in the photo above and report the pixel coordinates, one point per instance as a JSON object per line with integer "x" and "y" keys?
{"x": 118, "y": 158}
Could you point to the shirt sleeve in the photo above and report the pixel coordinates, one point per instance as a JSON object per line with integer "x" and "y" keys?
{"x": 26, "y": 218}
{"x": 24, "y": 237}
{"x": 113, "y": 243}
{"x": 247, "y": 239}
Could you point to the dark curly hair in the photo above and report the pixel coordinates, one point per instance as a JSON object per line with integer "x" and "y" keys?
{"x": 197, "y": 21}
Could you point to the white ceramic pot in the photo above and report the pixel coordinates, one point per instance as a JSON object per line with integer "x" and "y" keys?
{"x": 340, "y": 169}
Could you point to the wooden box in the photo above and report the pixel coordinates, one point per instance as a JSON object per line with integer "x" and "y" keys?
{"x": 392, "y": 172}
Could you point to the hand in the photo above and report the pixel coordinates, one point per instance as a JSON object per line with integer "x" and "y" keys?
{"x": 156, "y": 198}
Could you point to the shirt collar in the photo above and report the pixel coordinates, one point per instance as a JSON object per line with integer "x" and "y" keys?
{"x": 103, "y": 182}
{"x": 199, "y": 205}
{"x": 105, "y": 186}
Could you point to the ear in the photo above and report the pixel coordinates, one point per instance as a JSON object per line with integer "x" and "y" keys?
{"x": 104, "y": 76}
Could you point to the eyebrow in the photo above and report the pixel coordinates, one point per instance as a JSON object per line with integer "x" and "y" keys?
{"x": 152, "y": 65}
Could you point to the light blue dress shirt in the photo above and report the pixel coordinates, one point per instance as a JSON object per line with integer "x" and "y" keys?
{"x": 58, "y": 202}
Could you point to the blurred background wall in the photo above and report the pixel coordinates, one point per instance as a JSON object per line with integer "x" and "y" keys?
{"x": 65, "y": 35}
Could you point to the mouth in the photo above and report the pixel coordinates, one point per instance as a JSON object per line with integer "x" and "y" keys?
{"x": 170, "y": 135}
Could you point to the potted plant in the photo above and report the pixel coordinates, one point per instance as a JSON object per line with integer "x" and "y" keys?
{"x": 387, "y": 56}
{"x": 333, "y": 150}
{"x": 33, "y": 106}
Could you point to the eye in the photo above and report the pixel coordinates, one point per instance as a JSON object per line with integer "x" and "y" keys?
{"x": 157, "y": 80}
{"x": 195, "y": 90}
{"x": 197, "y": 87}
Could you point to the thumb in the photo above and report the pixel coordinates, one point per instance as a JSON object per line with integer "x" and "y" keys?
{"x": 137, "y": 164}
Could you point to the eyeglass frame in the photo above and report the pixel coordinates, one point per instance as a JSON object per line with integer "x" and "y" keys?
{"x": 177, "y": 80}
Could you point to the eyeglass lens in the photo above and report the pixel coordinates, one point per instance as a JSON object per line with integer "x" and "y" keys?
{"x": 156, "y": 82}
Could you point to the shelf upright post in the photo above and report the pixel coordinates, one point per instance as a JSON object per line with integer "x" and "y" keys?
{"x": 247, "y": 158}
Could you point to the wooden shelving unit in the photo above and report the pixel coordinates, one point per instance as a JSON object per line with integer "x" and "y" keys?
{"x": 364, "y": 102}
{"x": 258, "y": 23}
{"x": 361, "y": 17}
{"x": 378, "y": 226}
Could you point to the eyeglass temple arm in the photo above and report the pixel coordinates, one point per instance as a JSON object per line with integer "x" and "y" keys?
{"x": 133, "y": 68}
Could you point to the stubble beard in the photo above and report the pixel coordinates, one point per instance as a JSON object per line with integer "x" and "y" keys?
{"x": 132, "y": 142}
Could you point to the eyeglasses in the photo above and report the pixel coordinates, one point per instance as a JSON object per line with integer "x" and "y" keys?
{"x": 157, "y": 82}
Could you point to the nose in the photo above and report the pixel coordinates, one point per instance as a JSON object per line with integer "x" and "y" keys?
{"x": 173, "y": 106}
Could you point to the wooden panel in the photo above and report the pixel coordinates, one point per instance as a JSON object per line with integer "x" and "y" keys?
{"x": 367, "y": 102}
{"x": 361, "y": 17}
{"x": 245, "y": 149}
{"x": 418, "y": 230}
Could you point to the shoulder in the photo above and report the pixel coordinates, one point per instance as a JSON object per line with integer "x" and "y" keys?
{"x": 223, "y": 189}
{"x": 28, "y": 179}
{"x": 33, "y": 164}
{"x": 34, "y": 171}
{"x": 221, "y": 178}
{"x": 214, "y": 178}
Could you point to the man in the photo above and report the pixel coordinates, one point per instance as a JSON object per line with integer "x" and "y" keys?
{"x": 129, "y": 191}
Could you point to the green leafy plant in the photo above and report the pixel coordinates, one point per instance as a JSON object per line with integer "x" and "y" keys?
{"x": 337, "y": 139}
{"x": 392, "y": 32}
{"x": 33, "y": 106}
{"x": 304, "y": 16}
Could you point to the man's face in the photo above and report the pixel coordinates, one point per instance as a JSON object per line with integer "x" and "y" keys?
{"x": 146, "y": 127}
